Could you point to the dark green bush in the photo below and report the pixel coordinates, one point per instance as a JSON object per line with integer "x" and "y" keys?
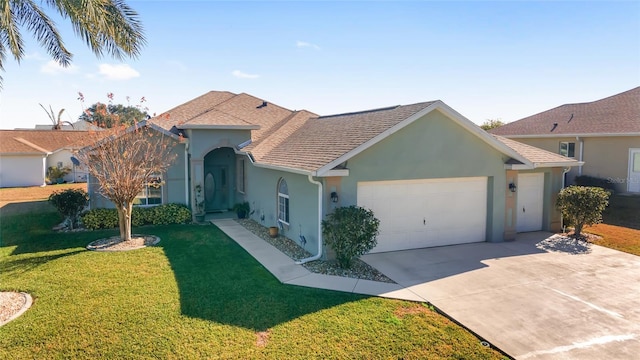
{"x": 582, "y": 205}
{"x": 351, "y": 231}
{"x": 70, "y": 203}
{"x": 156, "y": 215}
{"x": 100, "y": 219}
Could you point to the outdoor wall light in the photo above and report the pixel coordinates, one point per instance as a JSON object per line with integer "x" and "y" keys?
{"x": 513, "y": 187}
{"x": 334, "y": 197}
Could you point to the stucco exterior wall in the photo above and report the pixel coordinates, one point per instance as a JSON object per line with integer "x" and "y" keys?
{"x": 22, "y": 170}
{"x": 77, "y": 174}
{"x": 433, "y": 147}
{"x": 173, "y": 189}
{"x": 203, "y": 141}
{"x": 604, "y": 157}
{"x": 262, "y": 194}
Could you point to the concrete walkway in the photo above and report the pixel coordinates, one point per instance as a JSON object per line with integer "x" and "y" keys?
{"x": 288, "y": 272}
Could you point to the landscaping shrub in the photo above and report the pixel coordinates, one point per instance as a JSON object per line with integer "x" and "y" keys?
{"x": 70, "y": 203}
{"x": 100, "y": 219}
{"x": 582, "y": 205}
{"x": 168, "y": 214}
{"x": 157, "y": 215}
{"x": 586, "y": 180}
{"x": 351, "y": 231}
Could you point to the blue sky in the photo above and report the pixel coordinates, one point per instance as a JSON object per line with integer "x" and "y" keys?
{"x": 487, "y": 60}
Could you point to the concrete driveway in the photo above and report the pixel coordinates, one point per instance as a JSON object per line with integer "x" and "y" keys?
{"x": 539, "y": 297}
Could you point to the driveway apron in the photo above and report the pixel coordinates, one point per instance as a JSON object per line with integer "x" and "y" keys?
{"x": 539, "y": 297}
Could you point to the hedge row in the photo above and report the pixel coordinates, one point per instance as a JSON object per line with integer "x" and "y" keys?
{"x": 156, "y": 215}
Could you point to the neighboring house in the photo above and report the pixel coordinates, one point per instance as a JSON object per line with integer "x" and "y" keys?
{"x": 604, "y": 134}
{"x": 431, "y": 176}
{"x": 79, "y": 125}
{"x": 25, "y": 156}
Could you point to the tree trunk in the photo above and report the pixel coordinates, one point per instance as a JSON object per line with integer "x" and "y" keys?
{"x": 577, "y": 230}
{"x": 124, "y": 221}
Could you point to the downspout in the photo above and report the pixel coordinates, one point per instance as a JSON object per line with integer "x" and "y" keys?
{"x": 187, "y": 196}
{"x": 581, "y": 153}
{"x": 564, "y": 172}
{"x": 319, "y": 254}
{"x": 44, "y": 170}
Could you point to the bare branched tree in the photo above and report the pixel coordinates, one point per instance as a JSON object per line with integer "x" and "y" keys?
{"x": 124, "y": 162}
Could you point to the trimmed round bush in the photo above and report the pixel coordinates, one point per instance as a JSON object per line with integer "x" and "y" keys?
{"x": 582, "y": 205}
{"x": 351, "y": 231}
{"x": 70, "y": 203}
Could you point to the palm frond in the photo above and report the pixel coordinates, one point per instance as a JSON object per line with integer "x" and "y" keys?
{"x": 109, "y": 26}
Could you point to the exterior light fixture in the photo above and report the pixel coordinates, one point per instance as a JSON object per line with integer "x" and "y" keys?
{"x": 334, "y": 197}
{"x": 513, "y": 187}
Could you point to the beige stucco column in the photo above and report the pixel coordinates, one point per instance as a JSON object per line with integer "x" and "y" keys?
{"x": 510, "y": 206}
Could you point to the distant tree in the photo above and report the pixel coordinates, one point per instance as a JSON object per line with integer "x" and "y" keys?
{"x": 582, "y": 205}
{"x": 491, "y": 124}
{"x": 105, "y": 26}
{"x": 126, "y": 161}
{"x": 57, "y": 121}
{"x": 108, "y": 115}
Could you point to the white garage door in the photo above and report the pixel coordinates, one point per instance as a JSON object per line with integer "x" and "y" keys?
{"x": 529, "y": 204}
{"x": 427, "y": 212}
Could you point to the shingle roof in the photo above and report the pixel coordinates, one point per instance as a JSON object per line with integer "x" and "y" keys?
{"x": 617, "y": 114}
{"x": 225, "y": 109}
{"x": 41, "y": 141}
{"x": 534, "y": 154}
{"x": 320, "y": 140}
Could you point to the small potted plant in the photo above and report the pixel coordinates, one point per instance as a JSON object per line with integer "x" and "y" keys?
{"x": 273, "y": 231}
{"x": 200, "y": 212}
{"x": 242, "y": 209}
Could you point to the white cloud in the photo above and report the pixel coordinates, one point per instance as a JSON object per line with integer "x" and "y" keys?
{"x": 118, "y": 72}
{"x": 52, "y": 67}
{"x": 243, "y": 75}
{"x": 303, "y": 44}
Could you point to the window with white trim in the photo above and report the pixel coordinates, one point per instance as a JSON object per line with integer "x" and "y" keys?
{"x": 151, "y": 194}
{"x": 283, "y": 202}
{"x": 568, "y": 149}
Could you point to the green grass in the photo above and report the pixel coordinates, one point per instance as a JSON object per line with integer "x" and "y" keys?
{"x": 623, "y": 210}
{"x": 195, "y": 295}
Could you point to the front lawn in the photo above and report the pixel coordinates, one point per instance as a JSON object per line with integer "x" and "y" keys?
{"x": 195, "y": 295}
{"x": 620, "y": 228}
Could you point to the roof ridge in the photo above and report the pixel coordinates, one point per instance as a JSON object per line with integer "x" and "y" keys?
{"x": 361, "y": 112}
{"x": 30, "y": 144}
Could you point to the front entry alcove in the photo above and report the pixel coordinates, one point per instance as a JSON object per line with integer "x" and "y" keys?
{"x": 219, "y": 182}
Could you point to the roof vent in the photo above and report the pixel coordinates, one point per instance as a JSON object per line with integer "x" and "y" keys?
{"x": 555, "y": 125}
{"x": 264, "y": 104}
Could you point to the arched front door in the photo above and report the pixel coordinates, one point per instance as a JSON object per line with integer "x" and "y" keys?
{"x": 218, "y": 184}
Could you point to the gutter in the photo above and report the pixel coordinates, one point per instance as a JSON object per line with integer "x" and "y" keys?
{"x": 319, "y": 254}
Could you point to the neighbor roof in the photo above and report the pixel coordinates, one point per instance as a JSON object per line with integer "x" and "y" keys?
{"x": 616, "y": 115}
{"x": 40, "y": 141}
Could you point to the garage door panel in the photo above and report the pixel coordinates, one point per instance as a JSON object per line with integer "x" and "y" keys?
{"x": 427, "y": 212}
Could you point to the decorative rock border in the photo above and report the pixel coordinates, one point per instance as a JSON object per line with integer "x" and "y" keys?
{"x": 114, "y": 243}
{"x": 26, "y": 304}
